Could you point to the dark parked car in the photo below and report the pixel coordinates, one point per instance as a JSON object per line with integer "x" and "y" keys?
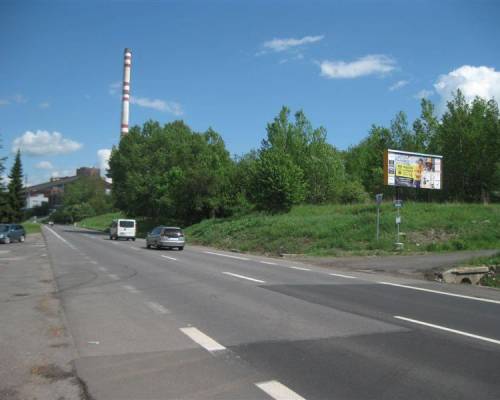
{"x": 166, "y": 237}
{"x": 11, "y": 232}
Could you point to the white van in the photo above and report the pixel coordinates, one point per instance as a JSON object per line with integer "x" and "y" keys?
{"x": 122, "y": 228}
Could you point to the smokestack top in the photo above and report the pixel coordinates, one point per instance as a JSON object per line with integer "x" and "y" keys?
{"x": 127, "y": 50}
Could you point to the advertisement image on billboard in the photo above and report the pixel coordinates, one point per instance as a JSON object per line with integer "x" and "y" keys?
{"x": 415, "y": 170}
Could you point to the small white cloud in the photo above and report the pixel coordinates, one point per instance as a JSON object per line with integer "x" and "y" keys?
{"x": 278, "y": 45}
{"x": 4, "y": 102}
{"x": 42, "y": 143}
{"x": 113, "y": 88}
{"x": 63, "y": 173}
{"x": 157, "y": 104}
{"x": 375, "y": 64}
{"x": 423, "y": 94}
{"x": 472, "y": 81}
{"x": 45, "y": 165}
{"x": 398, "y": 85}
{"x": 19, "y": 99}
{"x": 44, "y": 104}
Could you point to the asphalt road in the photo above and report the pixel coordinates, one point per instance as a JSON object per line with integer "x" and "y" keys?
{"x": 207, "y": 324}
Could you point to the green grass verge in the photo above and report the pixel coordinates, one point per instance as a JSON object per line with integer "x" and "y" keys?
{"x": 103, "y": 222}
{"x": 31, "y": 227}
{"x": 340, "y": 229}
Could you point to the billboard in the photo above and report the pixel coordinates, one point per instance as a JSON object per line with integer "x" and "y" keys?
{"x": 416, "y": 170}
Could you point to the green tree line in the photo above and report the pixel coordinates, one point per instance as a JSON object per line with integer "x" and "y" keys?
{"x": 12, "y": 198}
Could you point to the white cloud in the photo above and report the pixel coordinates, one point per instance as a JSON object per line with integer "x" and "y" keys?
{"x": 398, "y": 85}
{"x": 44, "y": 143}
{"x": 19, "y": 99}
{"x": 472, "y": 81}
{"x": 4, "y": 102}
{"x": 45, "y": 165}
{"x": 63, "y": 173}
{"x": 114, "y": 87}
{"x": 423, "y": 94}
{"x": 374, "y": 64}
{"x": 279, "y": 45}
{"x": 103, "y": 158}
{"x": 44, "y": 104}
{"x": 157, "y": 104}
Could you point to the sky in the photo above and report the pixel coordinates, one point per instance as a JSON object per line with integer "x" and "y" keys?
{"x": 231, "y": 66}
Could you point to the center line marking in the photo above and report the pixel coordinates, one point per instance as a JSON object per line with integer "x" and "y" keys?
{"x": 134, "y": 248}
{"x": 157, "y": 307}
{"x": 170, "y": 258}
{"x": 203, "y": 340}
{"x": 268, "y": 262}
{"x": 131, "y": 289}
{"x": 443, "y": 328}
{"x": 343, "y": 276}
{"x": 440, "y": 292}
{"x": 113, "y": 276}
{"x": 244, "y": 277}
{"x": 227, "y": 255}
{"x": 60, "y": 238}
{"x": 278, "y": 391}
{"x": 103, "y": 269}
{"x": 93, "y": 262}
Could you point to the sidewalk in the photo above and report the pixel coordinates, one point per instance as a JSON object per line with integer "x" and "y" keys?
{"x": 36, "y": 352}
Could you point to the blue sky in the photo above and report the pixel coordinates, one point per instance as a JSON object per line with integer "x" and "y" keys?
{"x": 229, "y": 65}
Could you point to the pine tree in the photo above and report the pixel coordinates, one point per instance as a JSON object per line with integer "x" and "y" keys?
{"x": 15, "y": 190}
{"x": 4, "y": 204}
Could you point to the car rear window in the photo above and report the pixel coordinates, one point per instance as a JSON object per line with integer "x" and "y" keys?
{"x": 126, "y": 224}
{"x": 172, "y": 232}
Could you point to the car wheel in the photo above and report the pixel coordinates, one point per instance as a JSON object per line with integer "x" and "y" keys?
{"x": 133, "y": 239}
{"x": 21, "y": 238}
{"x": 181, "y": 248}
{"x": 148, "y": 246}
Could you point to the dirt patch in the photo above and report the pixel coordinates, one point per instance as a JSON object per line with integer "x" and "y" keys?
{"x": 60, "y": 345}
{"x": 57, "y": 331}
{"x": 51, "y": 372}
{"x": 20, "y": 294}
{"x": 432, "y": 236}
{"x": 45, "y": 280}
{"x": 47, "y": 305}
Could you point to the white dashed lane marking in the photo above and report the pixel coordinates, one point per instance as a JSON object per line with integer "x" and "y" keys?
{"x": 244, "y": 277}
{"x": 203, "y": 340}
{"x": 158, "y": 308}
{"x": 131, "y": 289}
{"x": 278, "y": 391}
{"x": 170, "y": 258}
{"x": 343, "y": 276}
{"x": 227, "y": 255}
{"x": 113, "y": 276}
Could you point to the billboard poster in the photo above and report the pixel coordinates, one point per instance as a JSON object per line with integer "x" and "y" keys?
{"x": 415, "y": 170}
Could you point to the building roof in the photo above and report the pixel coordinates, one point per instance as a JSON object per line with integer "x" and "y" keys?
{"x": 51, "y": 184}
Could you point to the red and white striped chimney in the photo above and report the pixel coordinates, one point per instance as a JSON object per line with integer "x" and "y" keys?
{"x": 126, "y": 92}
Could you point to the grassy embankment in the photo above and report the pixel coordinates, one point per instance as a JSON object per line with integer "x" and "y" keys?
{"x": 348, "y": 229}
{"x": 344, "y": 229}
{"x": 103, "y": 222}
{"x": 31, "y": 227}
{"x": 493, "y": 261}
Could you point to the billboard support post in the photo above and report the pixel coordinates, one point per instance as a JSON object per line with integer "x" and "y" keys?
{"x": 398, "y": 204}
{"x": 378, "y": 199}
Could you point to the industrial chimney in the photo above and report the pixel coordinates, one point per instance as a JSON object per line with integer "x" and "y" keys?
{"x": 126, "y": 92}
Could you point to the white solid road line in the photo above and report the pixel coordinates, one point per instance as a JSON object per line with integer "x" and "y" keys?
{"x": 443, "y": 328}
{"x": 134, "y": 248}
{"x": 103, "y": 269}
{"x": 170, "y": 258}
{"x": 131, "y": 289}
{"x": 203, "y": 340}
{"x": 278, "y": 391}
{"x": 244, "y": 277}
{"x": 343, "y": 276}
{"x": 226, "y": 255}
{"x": 268, "y": 263}
{"x": 157, "y": 307}
{"x": 440, "y": 292}
{"x": 113, "y": 276}
{"x": 60, "y": 238}
{"x": 93, "y": 262}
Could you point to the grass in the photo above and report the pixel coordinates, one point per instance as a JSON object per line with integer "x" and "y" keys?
{"x": 350, "y": 229}
{"x": 103, "y": 222}
{"x": 31, "y": 227}
{"x": 100, "y": 222}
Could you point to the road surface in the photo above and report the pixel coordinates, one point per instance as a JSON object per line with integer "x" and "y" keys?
{"x": 208, "y": 324}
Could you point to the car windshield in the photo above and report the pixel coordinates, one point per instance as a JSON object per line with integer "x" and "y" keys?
{"x": 4, "y": 228}
{"x": 126, "y": 224}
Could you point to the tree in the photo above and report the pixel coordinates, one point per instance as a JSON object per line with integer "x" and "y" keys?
{"x": 5, "y": 211}
{"x": 16, "y": 196}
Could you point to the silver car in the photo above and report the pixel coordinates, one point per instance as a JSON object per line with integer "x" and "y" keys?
{"x": 166, "y": 237}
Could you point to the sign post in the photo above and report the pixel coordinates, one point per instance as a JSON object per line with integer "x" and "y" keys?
{"x": 378, "y": 199}
{"x": 398, "y": 204}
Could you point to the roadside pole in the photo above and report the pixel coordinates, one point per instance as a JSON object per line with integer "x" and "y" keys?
{"x": 378, "y": 199}
{"x": 398, "y": 204}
